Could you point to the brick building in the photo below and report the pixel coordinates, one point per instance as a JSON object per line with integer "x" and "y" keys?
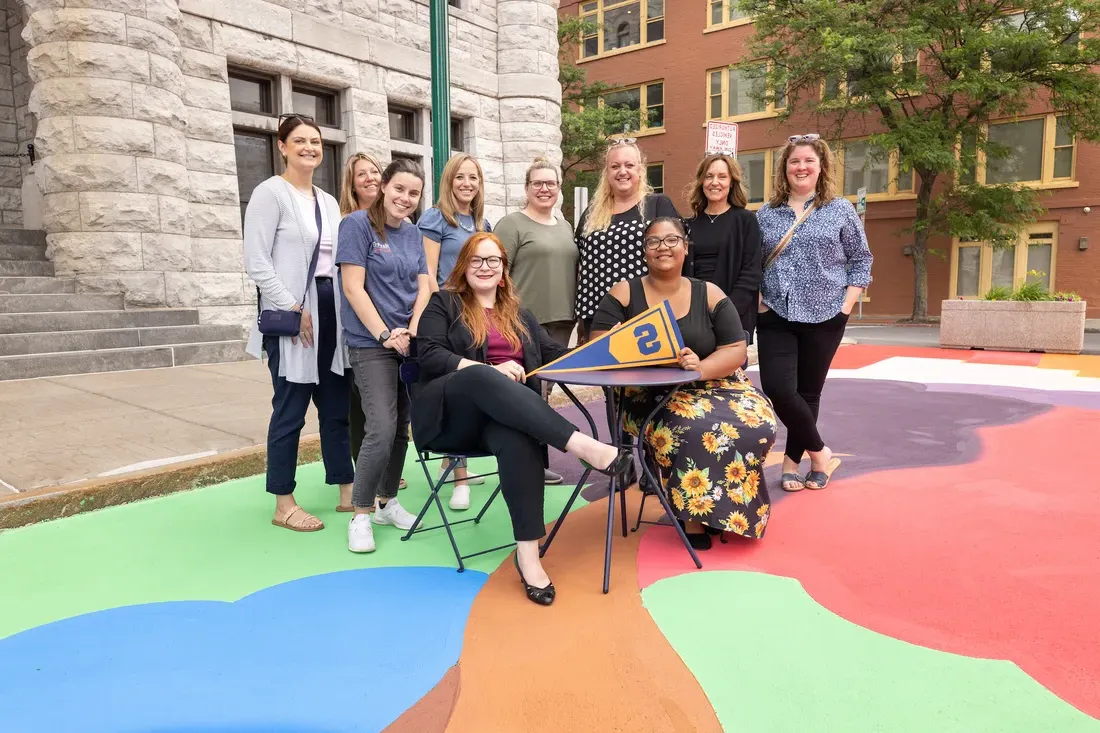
{"x": 672, "y": 58}
{"x": 153, "y": 120}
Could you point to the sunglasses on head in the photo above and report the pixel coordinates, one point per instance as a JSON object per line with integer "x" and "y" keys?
{"x": 623, "y": 141}
{"x": 808, "y": 138}
{"x": 294, "y": 116}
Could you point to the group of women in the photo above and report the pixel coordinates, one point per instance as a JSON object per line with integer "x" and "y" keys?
{"x": 482, "y": 308}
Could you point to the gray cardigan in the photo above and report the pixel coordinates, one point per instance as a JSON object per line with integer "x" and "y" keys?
{"x": 277, "y": 252}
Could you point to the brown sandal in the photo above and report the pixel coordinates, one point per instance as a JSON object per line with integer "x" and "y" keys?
{"x": 299, "y": 526}
{"x": 345, "y": 508}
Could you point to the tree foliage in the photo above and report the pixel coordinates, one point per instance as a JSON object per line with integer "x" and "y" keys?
{"x": 585, "y": 125}
{"x": 925, "y": 77}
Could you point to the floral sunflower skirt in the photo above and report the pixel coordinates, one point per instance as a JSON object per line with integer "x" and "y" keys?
{"x": 710, "y": 441}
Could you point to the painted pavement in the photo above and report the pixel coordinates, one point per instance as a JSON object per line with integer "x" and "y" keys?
{"x": 945, "y": 581}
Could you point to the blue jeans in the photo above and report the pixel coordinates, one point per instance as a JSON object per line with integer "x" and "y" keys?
{"x": 291, "y": 400}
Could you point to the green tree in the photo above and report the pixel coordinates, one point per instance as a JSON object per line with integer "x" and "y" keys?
{"x": 925, "y": 77}
{"x": 585, "y": 124}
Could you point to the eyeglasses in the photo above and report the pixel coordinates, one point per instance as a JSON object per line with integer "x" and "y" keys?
{"x": 807, "y": 138}
{"x": 623, "y": 141}
{"x": 492, "y": 262}
{"x": 670, "y": 242}
{"x": 548, "y": 185}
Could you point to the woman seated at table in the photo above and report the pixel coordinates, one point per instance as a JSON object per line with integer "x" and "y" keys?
{"x": 710, "y": 440}
{"x": 475, "y": 345}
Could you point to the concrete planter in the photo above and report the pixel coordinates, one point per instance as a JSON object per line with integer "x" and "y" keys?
{"x": 1007, "y": 325}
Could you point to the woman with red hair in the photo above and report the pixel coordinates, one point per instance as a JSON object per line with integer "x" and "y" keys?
{"x": 476, "y": 344}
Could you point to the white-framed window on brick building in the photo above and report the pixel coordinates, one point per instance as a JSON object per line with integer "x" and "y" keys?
{"x": 257, "y": 100}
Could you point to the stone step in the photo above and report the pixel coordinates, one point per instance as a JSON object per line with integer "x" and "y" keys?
{"x": 34, "y": 252}
{"x": 117, "y": 360}
{"x": 54, "y": 302}
{"x": 25, "y": 268}
{"x": 94, "y": 320}
{"x": 20, "y": 344}
{"x": 26, "y": 285}
{"x": 22, "y": 236}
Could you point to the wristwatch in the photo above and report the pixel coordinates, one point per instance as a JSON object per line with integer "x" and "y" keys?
{"x": 384, "y": 336}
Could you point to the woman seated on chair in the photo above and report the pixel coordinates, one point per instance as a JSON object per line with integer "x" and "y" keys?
{"x": 475, "y": 345}
{"x": 710, "y": 440}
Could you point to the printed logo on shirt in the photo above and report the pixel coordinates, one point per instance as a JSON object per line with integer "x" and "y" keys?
{"x": 377, "y": 246}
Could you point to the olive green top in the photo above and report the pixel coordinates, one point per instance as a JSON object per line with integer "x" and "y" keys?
{"x": 543, "y": 263}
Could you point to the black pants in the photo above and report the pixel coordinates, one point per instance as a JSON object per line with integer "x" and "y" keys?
{"x": 485, "y": 411}
{"x": 794, "y": 361}
{"x": 291, "y": 400}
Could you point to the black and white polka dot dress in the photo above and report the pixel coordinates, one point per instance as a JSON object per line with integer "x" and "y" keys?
{"x": 614, "y": 254}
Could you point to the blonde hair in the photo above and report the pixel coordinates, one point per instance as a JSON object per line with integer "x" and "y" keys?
{"x": 603, "y": 200}
{"x": 349, "y": 199}
{"x": 446, "y": 201}
{"x": 698, "y": 197}
{"x": 826, "y": 185}
{"x": 541, "y": 164}
{"x": 505, "y": 313}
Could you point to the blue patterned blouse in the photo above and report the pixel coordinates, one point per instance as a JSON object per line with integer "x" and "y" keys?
{"x": 828, "y": 252}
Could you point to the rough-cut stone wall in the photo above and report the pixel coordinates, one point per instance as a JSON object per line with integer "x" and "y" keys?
{"x": 11, "y": 168}
{"x": 135, "y": 129}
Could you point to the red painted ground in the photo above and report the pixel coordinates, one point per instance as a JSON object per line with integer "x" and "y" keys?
{"x": 999, "y": 558}
{"x": 861, "y": 355}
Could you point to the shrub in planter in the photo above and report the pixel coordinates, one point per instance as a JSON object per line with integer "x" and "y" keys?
{"x": 1026, "y": 319}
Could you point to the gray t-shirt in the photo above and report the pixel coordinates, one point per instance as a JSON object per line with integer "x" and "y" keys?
{"x": 451, "y": 238}
{"x": 543, "y": 263}
{"x": 392, "y": 268}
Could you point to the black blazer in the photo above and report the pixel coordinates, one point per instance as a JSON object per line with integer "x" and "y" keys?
{"x": 738, "y": 271}
{"x": 442, "y": 341}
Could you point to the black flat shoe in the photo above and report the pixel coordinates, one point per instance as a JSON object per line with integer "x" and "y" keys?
{"x": 701, "y": 541}
{"x": 622, "y": 461}
{"x": 542, "y": 596}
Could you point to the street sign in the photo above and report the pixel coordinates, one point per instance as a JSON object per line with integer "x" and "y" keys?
{"x": 861, "y": 200}
{"x": 721, "y": 137}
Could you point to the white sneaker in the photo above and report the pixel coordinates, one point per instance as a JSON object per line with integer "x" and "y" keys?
{"x": 460, "y": 498}
{"x": 473, "y": 480}
{"x": 360, "y": 534}
{"x": 395, "y": 514}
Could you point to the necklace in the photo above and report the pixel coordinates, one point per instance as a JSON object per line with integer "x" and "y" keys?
{"x": 463, "y": 224}
{"x": 715, "y": 217}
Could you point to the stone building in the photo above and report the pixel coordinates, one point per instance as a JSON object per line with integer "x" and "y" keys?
{"x": 152, "y": 121}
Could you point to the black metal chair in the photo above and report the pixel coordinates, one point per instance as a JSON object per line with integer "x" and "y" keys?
{"x": 409, "y": 374}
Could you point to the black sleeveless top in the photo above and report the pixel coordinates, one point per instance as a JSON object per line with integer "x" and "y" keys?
{"x": 702, "y": 329}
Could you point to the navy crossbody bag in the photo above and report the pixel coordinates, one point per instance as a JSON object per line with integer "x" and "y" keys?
{"x": 289, "y": 323}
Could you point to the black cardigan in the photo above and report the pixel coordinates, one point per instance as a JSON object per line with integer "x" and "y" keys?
{"x": 442, "y": 341}
{"x": 738, "y": 271}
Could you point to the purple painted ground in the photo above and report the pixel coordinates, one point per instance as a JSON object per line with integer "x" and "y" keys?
{"x": 881, "y": 425}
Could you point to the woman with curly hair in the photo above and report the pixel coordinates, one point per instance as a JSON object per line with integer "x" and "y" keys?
{"x": 710, "y": 440}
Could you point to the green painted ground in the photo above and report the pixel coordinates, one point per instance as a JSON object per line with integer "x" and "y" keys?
{"x": 218, "y": 543}
{"x": 770, "y": 658}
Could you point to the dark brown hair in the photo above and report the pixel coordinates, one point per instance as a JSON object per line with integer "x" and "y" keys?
{"x": 288, "y": 126}
{"x": 377, "y": 210}
{"x": 736, "y": 196}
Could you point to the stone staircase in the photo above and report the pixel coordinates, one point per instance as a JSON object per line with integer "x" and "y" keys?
{"x": 48, "y": 330}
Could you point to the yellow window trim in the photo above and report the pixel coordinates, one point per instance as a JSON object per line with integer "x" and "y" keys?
{"x": 769, "y": 112}
{"x": 657, "y": 164}
{"x": 728, "y": 23}
{"x": 1050, "y": 135}
{"x": 597, "y": 17}
{"x": 643, "y": 106}
{"x": 985, "y": 262}
{"x": 893, "y": 171}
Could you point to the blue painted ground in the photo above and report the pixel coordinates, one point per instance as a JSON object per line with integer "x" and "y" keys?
{"x": 346, "y": 651}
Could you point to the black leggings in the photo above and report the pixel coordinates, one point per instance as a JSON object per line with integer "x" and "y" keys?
{"x": 794, "y": 361}
{"x": 485, "y": 411}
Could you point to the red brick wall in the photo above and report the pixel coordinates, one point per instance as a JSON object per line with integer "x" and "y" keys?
{"x": 682, "y": 61}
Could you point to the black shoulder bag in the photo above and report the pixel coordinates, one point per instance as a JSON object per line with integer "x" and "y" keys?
{"x": 289, "y": 323}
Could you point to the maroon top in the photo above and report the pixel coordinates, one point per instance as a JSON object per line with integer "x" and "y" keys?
{"x": 497, "y": 349}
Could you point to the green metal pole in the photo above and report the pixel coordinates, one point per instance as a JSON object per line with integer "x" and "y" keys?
{"x": 441, "y": 91}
